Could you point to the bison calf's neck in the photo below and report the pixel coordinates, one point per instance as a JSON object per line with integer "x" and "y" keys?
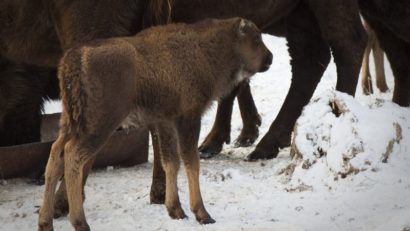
{"x": 165, "y": 78}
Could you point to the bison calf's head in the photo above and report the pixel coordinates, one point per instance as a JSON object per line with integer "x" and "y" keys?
{"x": 250, "y": 48}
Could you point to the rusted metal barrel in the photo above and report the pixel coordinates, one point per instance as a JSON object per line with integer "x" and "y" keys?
{"x": 124, "y": 148}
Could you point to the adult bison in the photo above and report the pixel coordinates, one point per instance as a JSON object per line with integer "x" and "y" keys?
{"x": 33, "y": 35}
{"x": 36, "y": 33}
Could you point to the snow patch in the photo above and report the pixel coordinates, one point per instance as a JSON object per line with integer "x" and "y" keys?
{"x": 337, "y": 136}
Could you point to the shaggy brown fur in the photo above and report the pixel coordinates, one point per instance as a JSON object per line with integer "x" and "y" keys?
{"x": 313, "y": 29}
{"x": 316, "y": 24}
{"x": 35, "y": 33}
{"x": 164, "y": 77}
{"x": 378, "y": 55}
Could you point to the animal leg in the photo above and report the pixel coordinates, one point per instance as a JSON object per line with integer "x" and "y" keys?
{"x": 221, "y": 129}
{"x": 61, "y": 200}
{"x": 378, "y": 55}
{"x": 188, "y": 133}
{"x": 367, "y": 86}
{"x": 78, "y": 159}
{"x": 310, "y": 56}
{"x": 342, "y": 29}
{"x": 398, "y": 53}
{"x": 250, "y": 117}
{"x": 157, "y": 194}
{"x": 54, "y": 171}
{"x": 170, "y": 162}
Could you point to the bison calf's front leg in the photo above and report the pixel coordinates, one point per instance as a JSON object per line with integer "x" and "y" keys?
{"x": 170, "y": 162}
{"x": 188, "y": 131}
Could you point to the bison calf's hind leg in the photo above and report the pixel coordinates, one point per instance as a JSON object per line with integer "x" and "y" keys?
{"x": 78, "y": 159}
{"x": 188, "y": 132}
{"x": 157, "y": 194}
{"x": 54, "y": 171}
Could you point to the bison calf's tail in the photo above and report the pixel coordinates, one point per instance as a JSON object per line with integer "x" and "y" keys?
{"x": 73, "y": 94}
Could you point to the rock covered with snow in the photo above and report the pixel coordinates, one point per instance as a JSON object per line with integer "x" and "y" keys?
{"x": 336, "y": 135}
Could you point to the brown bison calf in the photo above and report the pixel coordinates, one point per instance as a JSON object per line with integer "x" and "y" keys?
{"x": 165, "y": 78}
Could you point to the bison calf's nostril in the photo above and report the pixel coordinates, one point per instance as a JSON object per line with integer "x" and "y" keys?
{"x": 269, "y": 58}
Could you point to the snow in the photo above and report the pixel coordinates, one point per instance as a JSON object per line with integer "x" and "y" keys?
{"x": 264, "y": 195}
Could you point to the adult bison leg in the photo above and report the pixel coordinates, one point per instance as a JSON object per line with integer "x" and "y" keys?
{"x": 220, "y": 132}
{"x": 221, "y": 129}
{"x": 398, "y": 53}
{"x": 341, "y": 27}
{"x": 310, "y": 56}
{"x": 250, "y": 117}
{"x": 378, "y": 55}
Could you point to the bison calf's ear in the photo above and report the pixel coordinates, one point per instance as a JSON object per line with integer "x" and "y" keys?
{"x": 242, "y": 25}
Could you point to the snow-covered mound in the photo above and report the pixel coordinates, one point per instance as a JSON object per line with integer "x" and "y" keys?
{"x": 337, "y": 136}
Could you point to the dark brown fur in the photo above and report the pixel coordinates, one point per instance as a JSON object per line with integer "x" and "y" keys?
{"x": 164, "y": 77}
{"x": 34, "y": 34}
{"x": 391, "y": 22}
{"x": 312, "y": 28}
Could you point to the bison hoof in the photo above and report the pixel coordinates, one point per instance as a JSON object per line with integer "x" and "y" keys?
{"x": 177, "y": 213}
{"x": 81, "y": 226}
{"x": 209, "y": 150}
{"x": 157, "y": 194}
{"x": 213, "y": 144}
{"x": 246, "y": 139}
{"x": 45, "y": 226}
{"x": 60, "y": 208}
{"x": 58, "y": 212}
{"x": 207, "y": 155}
{"x": 207, "y": 220}
{"x": 262, "y": 155}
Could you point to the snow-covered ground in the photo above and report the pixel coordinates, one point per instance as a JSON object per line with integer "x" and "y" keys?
{"x": 264, "y": 195}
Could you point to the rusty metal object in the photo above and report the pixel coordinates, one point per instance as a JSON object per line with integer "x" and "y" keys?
{"x": 124, "y": 148}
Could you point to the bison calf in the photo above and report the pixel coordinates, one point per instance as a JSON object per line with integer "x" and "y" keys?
{"x": 165, "y": 78}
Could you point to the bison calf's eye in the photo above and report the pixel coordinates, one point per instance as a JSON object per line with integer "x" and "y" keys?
{"x": 258, "y": 40}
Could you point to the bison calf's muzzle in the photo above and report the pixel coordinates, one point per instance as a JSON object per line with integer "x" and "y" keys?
{"x": 164, "y": 78}
{"x": 267, "y": 62}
